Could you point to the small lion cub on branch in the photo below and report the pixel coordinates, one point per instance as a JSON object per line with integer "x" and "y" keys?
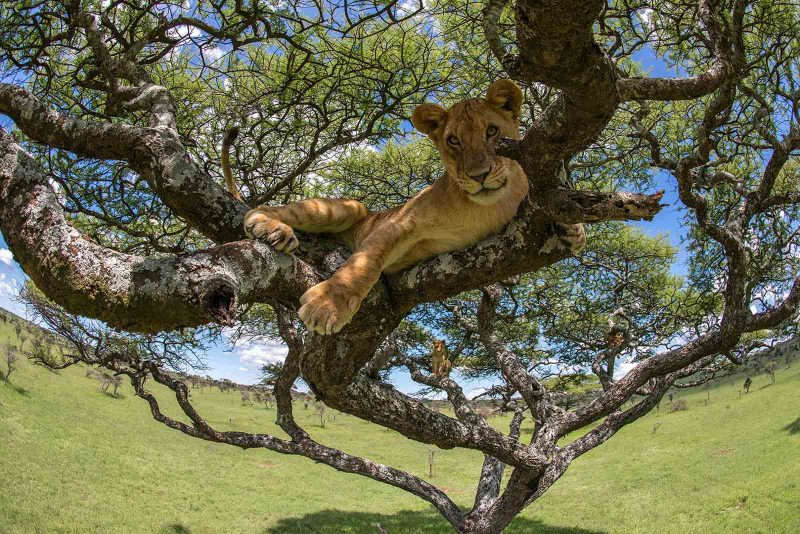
{"x": 478, "y": 195}
{"x": 440, "y": 363}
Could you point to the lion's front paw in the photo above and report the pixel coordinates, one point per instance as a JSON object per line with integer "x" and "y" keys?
{"x": 327, "y": 307}
{"x": 272, "y": 231}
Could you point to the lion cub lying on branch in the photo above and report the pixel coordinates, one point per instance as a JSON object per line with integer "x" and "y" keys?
{"x": 478, "y": 195}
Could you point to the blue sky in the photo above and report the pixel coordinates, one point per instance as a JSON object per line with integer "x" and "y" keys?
{"x": 242, "y": 363}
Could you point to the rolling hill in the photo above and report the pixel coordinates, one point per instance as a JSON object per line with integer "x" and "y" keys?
{"x": 76, "y": 459}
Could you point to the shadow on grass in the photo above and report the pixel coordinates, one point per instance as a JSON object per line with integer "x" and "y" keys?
{"x": 403, "y": 522}
{"x": 118, "y": 396}
{"x": 22, "y": 391}
{"x": 175, "y": 528}
{"x": 793, "y": 427}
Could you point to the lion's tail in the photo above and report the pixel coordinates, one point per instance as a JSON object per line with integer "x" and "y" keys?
{"x": 230, "y": 183}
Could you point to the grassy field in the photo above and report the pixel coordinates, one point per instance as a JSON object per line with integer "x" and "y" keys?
{"x": 74, "y": 459}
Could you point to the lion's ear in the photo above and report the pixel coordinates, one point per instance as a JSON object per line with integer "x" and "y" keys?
{"x": 427, "y": 118}
{"x": 505, "y": 95}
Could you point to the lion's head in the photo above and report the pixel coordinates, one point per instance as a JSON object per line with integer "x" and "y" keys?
{"x": 466, "y": 136}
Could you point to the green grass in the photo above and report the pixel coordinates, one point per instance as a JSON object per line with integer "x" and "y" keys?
{"x": 77, "y": 460}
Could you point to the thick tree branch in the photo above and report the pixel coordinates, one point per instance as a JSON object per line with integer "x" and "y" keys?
{"x": 557, "y": 48}
{"x": 455, "y": 394}
{"x": 675, "y": 88}
{"x": 533, "y": 393}
{"x": 491, "y": 20}
{"x": 384, "y": 405}
{"x": 101, "y": 140}
{"x": 122, "y": 289}
{"x": 726, "y": 47}
{"x": 777, "y": 315}
{"x": 230, "y": 274}
{"x": 492, "y": 472}
{"x": 524, "y": 246}
{"x": 156, "y": 154}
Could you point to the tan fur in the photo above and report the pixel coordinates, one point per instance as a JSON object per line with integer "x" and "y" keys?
{"x": 456, "y": 211}
{"x": 227, "y": 141}
{"x": 440, "y": 364}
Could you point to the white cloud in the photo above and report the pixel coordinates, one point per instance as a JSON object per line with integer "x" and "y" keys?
{"x": 263, "y": 353}
{"x": 407, "y": 7}
{"x": 7, "y": 289}
{"x": 211, "y": 55}
{"x": 471, "y": 394}
{"x": 244, "y": 369}
{"x": 9, "y": 293}
{"x": 623, "y": 368}
{"x": 183, "y": 31}
{"x": 646, "y": 16}
{"x": 6, "y": 256}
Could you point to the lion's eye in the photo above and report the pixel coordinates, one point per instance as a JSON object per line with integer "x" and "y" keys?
{"x": 453, "y": 141}
{"x": 491, "y": 131}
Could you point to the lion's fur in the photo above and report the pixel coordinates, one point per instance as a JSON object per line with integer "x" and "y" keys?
{"x": 454, "y": 212}
{"x": 440, "y": 363}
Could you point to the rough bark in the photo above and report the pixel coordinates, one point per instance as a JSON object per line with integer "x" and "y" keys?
{"x": 122, "y": 289}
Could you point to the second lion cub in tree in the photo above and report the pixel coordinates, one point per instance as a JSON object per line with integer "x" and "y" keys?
{"x": 478, "y": 195}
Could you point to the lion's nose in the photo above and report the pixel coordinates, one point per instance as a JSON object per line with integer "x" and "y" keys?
{"x": 480, "y": 175}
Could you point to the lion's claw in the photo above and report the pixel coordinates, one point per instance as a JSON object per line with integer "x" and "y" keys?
{"x": 278, "y": 235}
{"x": 327, "y": 307}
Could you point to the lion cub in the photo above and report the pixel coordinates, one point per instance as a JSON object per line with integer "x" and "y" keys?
{"x": 478, "y": 195}
{"x": 440, "y": 363}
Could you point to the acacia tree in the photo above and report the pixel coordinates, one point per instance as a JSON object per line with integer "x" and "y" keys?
{"x": 111, "y": 200}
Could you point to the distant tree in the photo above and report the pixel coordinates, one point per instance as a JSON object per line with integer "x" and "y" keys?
{"x": 11, "y": 363}
{"x": 680, "y": 405}
{"x": 115, "y": 382}
{"x": 747, "y": 383}
{"x": 770, "y": 369}
{"x": 266, "y": 399}
{"x": 319, "y": 411}
{"x": 23, "y": 338}
{"x": 246, "y": 397}
{"x": 431, "y": 460}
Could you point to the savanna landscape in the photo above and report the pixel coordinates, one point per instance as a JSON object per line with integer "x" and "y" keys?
{"x": 77, "y": 459}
